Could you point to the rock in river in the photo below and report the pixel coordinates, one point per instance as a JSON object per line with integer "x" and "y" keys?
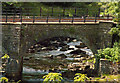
{"x": 48, "y": 56}
{"x": 78, "y": 51}
{"x": 61, "y": 56}
{"x": 64, "y": 48}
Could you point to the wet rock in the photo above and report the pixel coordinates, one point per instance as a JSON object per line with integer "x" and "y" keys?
{"x": 55, "y": 44}
{"x": 36, "y": 45}
{"x": 79, "y": 46}
{"x": 68, "y": 39}
{"x": 39, "y": 49}
{"x": 31, "y": 51}
{"x": 26, "y": 58}
{"x": 87, "y": 67}
{"x": 74, "y": 40}
{"x": 37, "y": 59}
{"x": 61, "y": 56}
{"x": 78, "y": 51}
{"x": 70, "y": 48}
{"x": 62, "y": 44}
{"x": 76, "y": 56}
{"x": 77, "y": 59}
{"x": 48, "y": 56}
{"x": 51, "y": 48}
{"x": 92, "y": 56}
{"x": 32, "y": 47}
{"x": 43, "y": 48}
{"x": 64, "y": 48}
{"x": 83, "y": 58}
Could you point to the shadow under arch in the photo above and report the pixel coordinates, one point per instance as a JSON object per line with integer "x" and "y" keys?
{"x": 89, "y": 34}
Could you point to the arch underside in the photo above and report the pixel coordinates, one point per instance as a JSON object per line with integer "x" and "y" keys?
{"x": 92, "y": 35}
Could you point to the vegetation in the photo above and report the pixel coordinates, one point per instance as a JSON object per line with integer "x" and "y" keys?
{"x": 53, "y": 77}
{"x": 5, "y": 56}
{"x": 80, "y": 77}
{"x": 58, "y": 8}
{"x": 3, "y": 79}
{"x": 111, "y": 54}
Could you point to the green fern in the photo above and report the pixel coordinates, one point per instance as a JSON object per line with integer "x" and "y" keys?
{"x": 5, "y": 56}
{"x": 52, "y": 77}
{"x": 3, "y": 79}
{"x": 80, "y": 77}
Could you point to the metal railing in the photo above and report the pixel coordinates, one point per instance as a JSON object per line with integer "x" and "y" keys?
{"x": 29, "y": 14}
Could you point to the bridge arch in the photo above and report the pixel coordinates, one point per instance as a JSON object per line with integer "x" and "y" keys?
{"x": 95, "y": 36}
{"x": 18, "y": 38}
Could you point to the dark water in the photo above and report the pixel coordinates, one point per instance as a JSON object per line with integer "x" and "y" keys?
{"x": 38, "y": 64}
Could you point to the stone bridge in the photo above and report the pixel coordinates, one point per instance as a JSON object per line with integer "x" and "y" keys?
{"x": 17, "y": 38}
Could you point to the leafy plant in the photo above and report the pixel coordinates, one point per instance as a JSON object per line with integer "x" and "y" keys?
{"x": 80, "y": 77}
{"x": 3, "y": 79}
{"x": 53, "y": 77}
{"x": 5, "y": 56}
{"x": 114, "y": 30}
{"x": 111, "y": 54}
{"x": 19, "y": 81}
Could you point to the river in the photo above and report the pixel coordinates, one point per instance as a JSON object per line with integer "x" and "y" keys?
{"x": 63, "y": 59}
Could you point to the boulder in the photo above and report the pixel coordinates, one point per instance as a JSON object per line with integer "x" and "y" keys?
{"x": 74, "y": 40}
{"x": 61, "y": 56}
{"x": 48, "y": 56}
{"x": 31, "y": 50}
{"x": 26, "y": 58}
{"x": 80, "y": 46}
{"x": 87, "y": 67}
{"x": 64, "y": 48}
{"x": 78, "y": 51}
{"x": 70, "y": 48}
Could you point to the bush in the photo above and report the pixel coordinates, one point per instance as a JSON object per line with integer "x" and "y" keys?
{"x": 111, "y": 54}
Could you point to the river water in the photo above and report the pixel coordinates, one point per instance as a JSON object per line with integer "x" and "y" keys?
{"x": 38, "y": 64}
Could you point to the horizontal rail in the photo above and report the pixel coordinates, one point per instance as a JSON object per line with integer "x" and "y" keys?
{"x": 33, "y": 20}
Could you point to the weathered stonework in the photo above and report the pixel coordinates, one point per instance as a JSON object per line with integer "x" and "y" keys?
{"x": 107, "y": 67}
{"x": 18, "y": 38}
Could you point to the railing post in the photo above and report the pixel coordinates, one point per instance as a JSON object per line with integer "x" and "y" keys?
{"x": 84, "y": 18}
{"x": 33, "y": 17}
{"x": 59, "y": 18}
{"x": 87, "y": 12}
{"x": 108, "y": 17}
{"x": 52, "y": 11}
{"x": 63, "y": 12}
{"x": 99, "y": 13}
{"x": 72, "y": 19}
{"x": 104, "y": 11}
{"x": 6, "y": 16}
{"x": 96, "y": 18}
{"x": 47, "y": 18}
{"x": 75, "y": 11}
{"x": 40, "y": 11}
{"x": 14, "y": 16}
{"x": 20, "y": 14}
